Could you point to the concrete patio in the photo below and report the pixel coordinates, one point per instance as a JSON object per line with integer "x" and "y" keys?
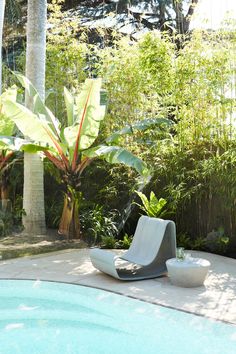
{"x": 216, "y": 299}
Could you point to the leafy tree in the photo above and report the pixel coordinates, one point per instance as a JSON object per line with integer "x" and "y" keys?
{"x": 157, "y": 14}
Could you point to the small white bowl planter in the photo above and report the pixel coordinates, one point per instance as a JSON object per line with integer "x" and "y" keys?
{"x": 190, "y": 272}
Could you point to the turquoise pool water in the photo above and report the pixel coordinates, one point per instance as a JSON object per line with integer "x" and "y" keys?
{"x": 54, "y": 318}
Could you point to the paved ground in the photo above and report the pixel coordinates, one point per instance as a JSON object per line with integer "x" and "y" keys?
{"x": 216, "y": 299}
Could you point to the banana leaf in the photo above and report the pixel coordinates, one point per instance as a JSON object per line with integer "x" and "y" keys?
{"x": 116, "y": 154}
{"x": 142, "y": 125}
{"x": 29, "y": 123}
{"x": 89, "y": 113}
{"x": 12, "y": 143}
{"x": 70, "y": 106}
{"x": 39, "y": 106}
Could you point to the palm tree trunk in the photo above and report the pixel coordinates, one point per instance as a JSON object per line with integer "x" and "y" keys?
{"x": 2, "y": 9}
{"x": 33, "y": 194}
{"x": 33, "y": 201}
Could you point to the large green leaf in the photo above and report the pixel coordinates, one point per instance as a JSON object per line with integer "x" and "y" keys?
{"x": 33, "y": 148}
{"x": 144, "y": 200}
{"x": 13, "y": 143}
{"x": 116, "y": 154}
{"x": 153, "y": 207}
{"x": 39, "y": 106}
{"x": 89, "y": 113}
{"x": 70, "y": 107}
{"x": 142, "y": 125}
{"x": 29, "y": 87}
{"x": 10, "y": 93}
{"x": 86, "y": 140}
{"x": 28, "y": 123}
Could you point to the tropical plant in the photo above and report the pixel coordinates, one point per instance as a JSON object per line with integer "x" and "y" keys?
{"x": 70, "y": 149}
{"x": 152, "y": 207}
{"x": 97, "y": 223}
{"x": 217, "y": 241}
{"x": 125, "y": 242}
{"x": 8, "y": 148}
{"x": 6, "y": 222}
{"x": 108, "y": 242}
{"x": 9, "y": 155}
{"x": 184, "y": 241}
{"x": 197, "y": 243}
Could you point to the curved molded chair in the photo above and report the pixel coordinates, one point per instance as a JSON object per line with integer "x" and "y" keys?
{"x": 154, "y": 242}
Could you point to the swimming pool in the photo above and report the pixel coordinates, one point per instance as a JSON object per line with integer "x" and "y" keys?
{"x": 54, "y": 318}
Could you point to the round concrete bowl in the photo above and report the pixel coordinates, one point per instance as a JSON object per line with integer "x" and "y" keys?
{"x": 187, "y": 273}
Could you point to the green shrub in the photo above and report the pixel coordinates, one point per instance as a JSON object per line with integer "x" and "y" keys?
{"x": 153, "y": 207}
{"x": 98, "y": 225}
{"x": 108, "y": 242}
{"x": 125, "y": 242}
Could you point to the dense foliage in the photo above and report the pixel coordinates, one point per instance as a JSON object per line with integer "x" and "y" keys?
{"x": 193, "y": 160}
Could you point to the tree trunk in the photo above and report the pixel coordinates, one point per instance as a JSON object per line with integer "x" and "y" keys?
{"x": 180, "y": 20}
{"x": 122, "y": 6}
{"x": 162, "y": 14}
{"x": 190, "y": 13}
{"x": 33, "y": 195}
{"x": 33, "y": 203}
{"x": 70, "y": 224}
{"x": 183, "y": 22}
{"x": 2, "y": 9}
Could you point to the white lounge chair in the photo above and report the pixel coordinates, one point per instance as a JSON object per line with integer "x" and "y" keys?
{"x": 154, "y": 242}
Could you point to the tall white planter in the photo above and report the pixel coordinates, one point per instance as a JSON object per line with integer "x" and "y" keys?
{"x": 33, "y": 194}
{"x": 2, "y": 9}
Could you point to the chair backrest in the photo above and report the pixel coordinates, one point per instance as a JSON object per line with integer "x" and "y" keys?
{"x": 147, "y": 239}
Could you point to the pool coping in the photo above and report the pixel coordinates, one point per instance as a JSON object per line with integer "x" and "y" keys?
{"x": 128, "y": 296}
{"x": 102, "y": 283}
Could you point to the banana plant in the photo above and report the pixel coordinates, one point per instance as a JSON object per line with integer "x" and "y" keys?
{"x": 8, "y": 151}
{"x": 9, "y": 146}
{"x": 72, "y": 148}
